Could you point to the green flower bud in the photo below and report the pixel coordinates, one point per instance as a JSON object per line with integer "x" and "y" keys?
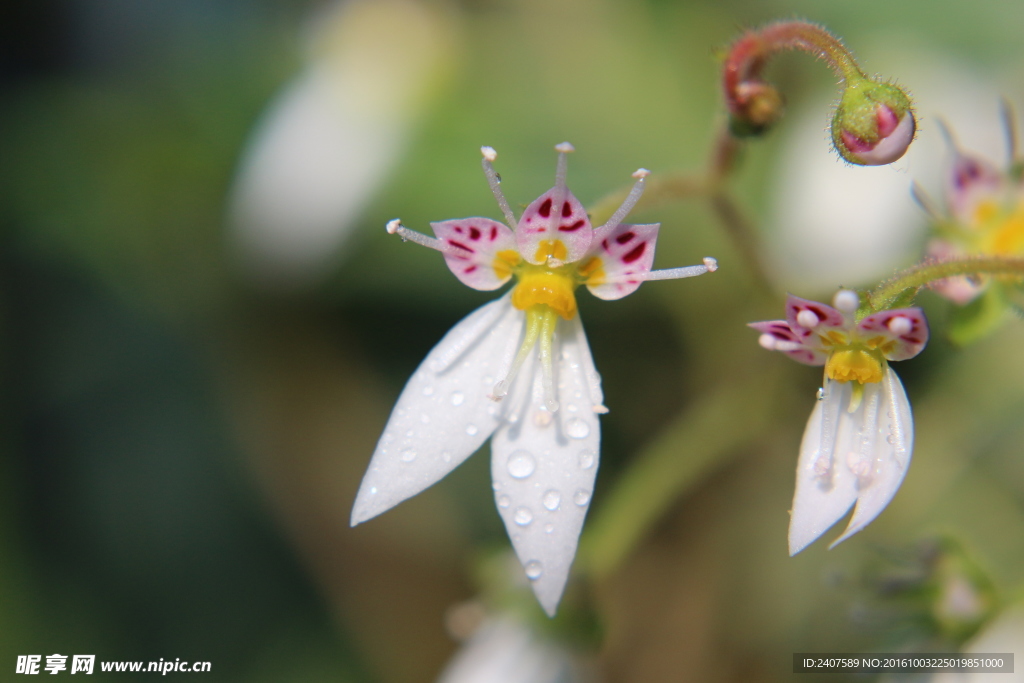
{"x": 873, "y": 124}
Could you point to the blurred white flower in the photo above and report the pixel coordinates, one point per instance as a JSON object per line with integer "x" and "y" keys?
{"x": 333, "y": 134}
{"x": 1004, "y": 634}
{"x": 503, "y": 649}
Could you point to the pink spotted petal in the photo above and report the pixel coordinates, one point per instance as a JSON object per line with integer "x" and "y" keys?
{"x": 476, "y": 243}
{"x": 626, "y": 254}
{"x": 784, "y": 340}
{"x": 970, "y": 179}
{"x": 906, "y": 326}
{"x": 555, "y": 215}
{"x": 825, "y": 318}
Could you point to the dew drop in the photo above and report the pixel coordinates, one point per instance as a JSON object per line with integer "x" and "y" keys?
{"x": 409, "y": 434}
{"x": 572, "y": 408}
{"x": 587, "y": 459}
{"x": 577, "y": 428}
{"x": 424, "y": 418}
{"x": 549, "y": 528}
{"x": 821, "y": 394}
{"x": 521, "y": 464}
{"x": 407, "y": 455}
{"x": 504, "y": 502}
{"x": 457, "y": 398}
{"x": 471, "y": 430}
{"x": 446, "y": 456}
{"x": 552, "y": 499}
{"x": 428, "y": 391}
{"x": 373, "y": 490}
{"x": 534, "y": 570}
{"x": 522, "y": 516}
{"x": 581, "y": 497}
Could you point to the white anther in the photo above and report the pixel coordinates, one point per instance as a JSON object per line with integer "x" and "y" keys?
{"x": 564, "y": 148}
{"x": 773, "y": 343}
{"x": 766, "y": 341}
{"x": 900, "y": 325}
{"x": 641, "y": 173}
{"x": 846, "y": 300}
{"x": 489, "y": 153}
{"x": 808, "y": 319}
{"x": 711, "y": 264}
{"x": 393, "y": 226}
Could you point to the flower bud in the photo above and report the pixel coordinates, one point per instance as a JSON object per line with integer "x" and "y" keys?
{"x": 756, "y": 107}
{"x": 873, "y": 124}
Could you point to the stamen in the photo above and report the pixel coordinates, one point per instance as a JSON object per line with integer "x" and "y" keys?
{"x": 563, "y": 163}
{"x": 630, "y": 201}
{"x": 494, "y": 180}
{"x": 925, "y": 201}
{"x": 546, "y": 358}
{"x": 846, "y": 300}
{"x": 395, "y": 227}
{"x": 532, "y": 330}
{"x": 771, "y": 343}
{"x": 1010, "y": 126}
{"x": 710, "y": 266}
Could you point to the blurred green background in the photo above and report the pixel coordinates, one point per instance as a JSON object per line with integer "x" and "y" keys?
{"x": 183, "y": 428}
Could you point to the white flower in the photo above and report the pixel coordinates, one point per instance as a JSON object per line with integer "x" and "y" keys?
{"x": 333, "y": 134}
{"x": 860, "y": 436}
{"x": 519, "y": 369}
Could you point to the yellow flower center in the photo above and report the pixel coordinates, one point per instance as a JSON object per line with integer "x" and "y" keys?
{"x": 550, "y": 249}
{"x": 548, "y": 287}
{"x": 1001, "y": 229}
{"x": 855, "y": 363}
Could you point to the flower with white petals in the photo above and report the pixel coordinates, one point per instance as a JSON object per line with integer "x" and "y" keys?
{"x": 519, "y": 369}
{"x": 858, "y": 441}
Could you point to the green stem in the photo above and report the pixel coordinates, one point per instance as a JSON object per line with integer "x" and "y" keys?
{"x": 895, "y": 291}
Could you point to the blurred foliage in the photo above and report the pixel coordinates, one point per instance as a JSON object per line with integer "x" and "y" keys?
{"x": 181, "y": 448}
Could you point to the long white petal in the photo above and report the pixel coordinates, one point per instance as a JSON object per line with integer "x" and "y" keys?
{"x": 543, "y": 464}
{"x": 825, "y": 487}
{"x": 444, "y": 413}
{"x": 886, "y": 446}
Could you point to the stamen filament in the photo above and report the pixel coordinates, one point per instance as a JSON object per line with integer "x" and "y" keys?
{"x": 533, "y": 328}
{"x": 547, "y": 332}
{"x": 494, "y": 181}
{"x": 395, "y": 227}
{"x": 710, "y": 266}
{"x": 630, "y": 201}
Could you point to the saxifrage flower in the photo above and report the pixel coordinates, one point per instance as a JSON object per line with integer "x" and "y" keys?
{"x": 519, "y": 369}
{"x": 860, "y": 436}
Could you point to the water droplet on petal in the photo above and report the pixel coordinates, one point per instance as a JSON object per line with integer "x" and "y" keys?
{"x": 552, "y": 499}
{"x": 407, "y": 455}
{"x": 522, "y": 516}
{"x": 521, "y": 464}
{"x": 572, "y": 407}
{"x": 471, "y": 430}
{"x": 373, "y": 490}
{"x": 504, "y": 501}
{"x": 424, "y": 418}
{"x": 821, "y": 394}
{"x": 428, "y": 391}
{"x": 534, "y": 570}
{"x": 549, "y": 528}
{"x": 587, "y": 459}
{"x": 446, "y": 456}
{"x": 581, "y": 497}
{"x": 457, "y": 398}
{"x": 577, "y": 428}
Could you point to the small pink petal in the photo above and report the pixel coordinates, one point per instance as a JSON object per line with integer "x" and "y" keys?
{"x": 626, "y": 253}
{"x": 474, "y": 244}
{"x": 906, "y": 326}
{"x": 807, "y": 318}
{"x": 555, "y": 215}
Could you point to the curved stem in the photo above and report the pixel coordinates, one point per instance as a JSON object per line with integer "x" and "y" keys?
{"x": 891, "y": 292}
